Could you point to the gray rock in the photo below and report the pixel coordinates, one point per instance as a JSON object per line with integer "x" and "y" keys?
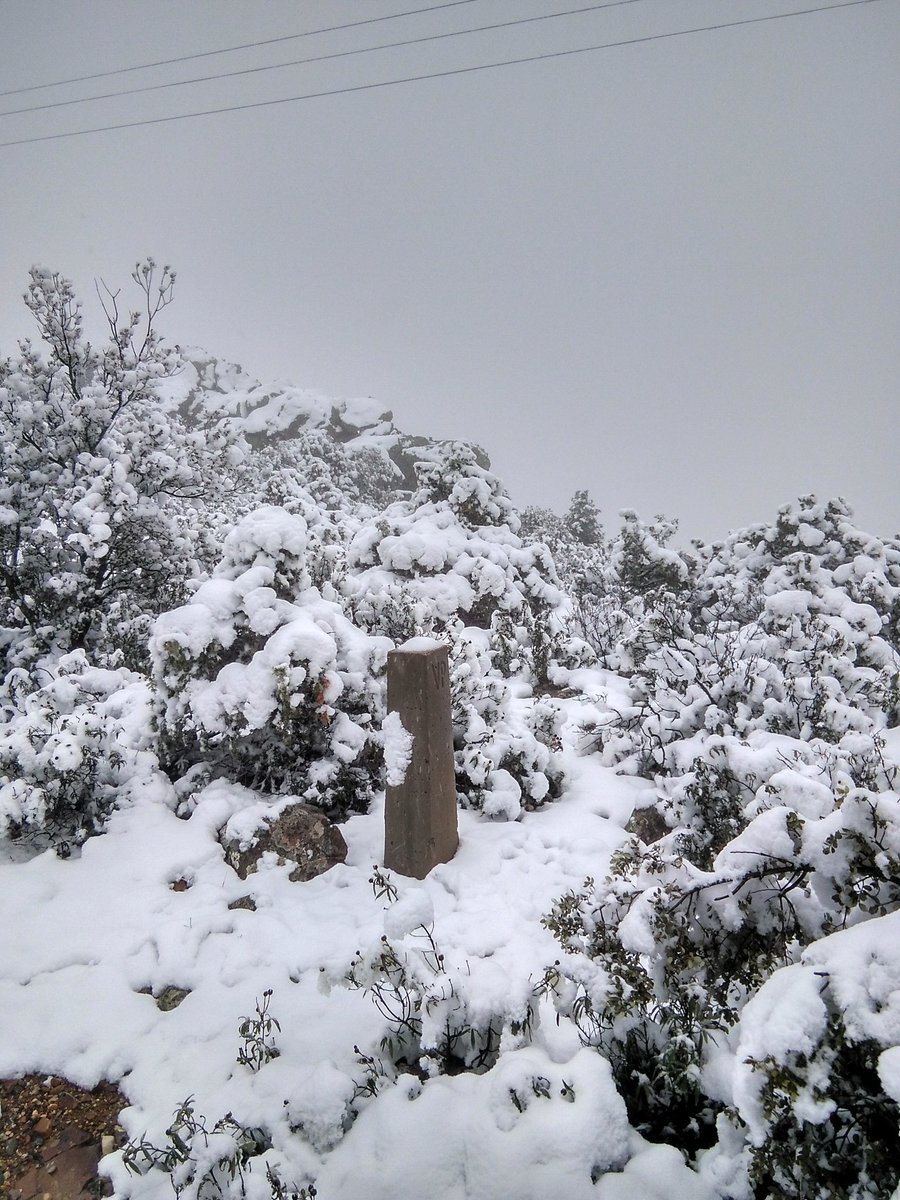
{"x": 300, "y": 834}
{"x": 170, "y": 997}
{"x": 647, "y": 824}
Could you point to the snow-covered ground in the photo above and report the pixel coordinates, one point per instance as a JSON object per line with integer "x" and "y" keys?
{"x": 372, "y": 1036}
{"x": 84, "y": 939}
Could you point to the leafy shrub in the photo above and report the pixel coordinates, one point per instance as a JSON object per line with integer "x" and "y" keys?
{"x": 257, "y": 1039}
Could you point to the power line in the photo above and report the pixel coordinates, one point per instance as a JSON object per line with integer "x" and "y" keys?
{"x": 287, "y": 37}
{"x": 433, "y": 37}
{"x": 509, "y": 62}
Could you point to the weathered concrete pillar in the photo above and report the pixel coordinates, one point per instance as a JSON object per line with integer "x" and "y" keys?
{"x": 420, "y": 828}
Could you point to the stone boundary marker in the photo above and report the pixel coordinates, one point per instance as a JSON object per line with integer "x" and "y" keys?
{"x": 420, "y": 826}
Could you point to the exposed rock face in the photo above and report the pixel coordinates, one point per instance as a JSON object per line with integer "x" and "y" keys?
{"x": 300, "y": 834}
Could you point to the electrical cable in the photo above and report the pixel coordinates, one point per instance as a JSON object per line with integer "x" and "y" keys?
{"x": 509, "y": 62}
{"x": 432, "y": 37}
{"x": 287, "y": 37}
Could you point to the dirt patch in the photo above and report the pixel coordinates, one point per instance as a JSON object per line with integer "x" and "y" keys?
{"x": 52, "y": 1136}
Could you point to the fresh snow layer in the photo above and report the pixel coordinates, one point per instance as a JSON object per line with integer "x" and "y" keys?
{"x": 398, "y": 748}
{"x": 466, "y": 1136}
{"x": 420, "y": 645}
{"x": 87, "y": 943}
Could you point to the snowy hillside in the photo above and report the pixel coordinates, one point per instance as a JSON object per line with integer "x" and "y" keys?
{"x": 664, "y": 960}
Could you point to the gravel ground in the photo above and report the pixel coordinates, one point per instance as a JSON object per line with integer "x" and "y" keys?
{"x": 50, "y": 1136}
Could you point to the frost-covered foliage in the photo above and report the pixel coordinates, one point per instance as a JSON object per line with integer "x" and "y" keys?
{"x": 449, "y": 1020}
{"x": 506, "y": 749}
{"x": 205, "y": 1159}
{"x": 732, "y": 962}
{"x": 266, "y": 682}
{"x": 816, "y": 1081}
{"x": 579, "y": 563}
{"x": 677, "y": 947}
{"x": 337, "y": 477}
{"x": 790, "y": 628}
{"x": 96, "y": 472}
{"x": 408, "y": 536}
{"x": 637, "y": 574}
{"x": 582, "y": 519}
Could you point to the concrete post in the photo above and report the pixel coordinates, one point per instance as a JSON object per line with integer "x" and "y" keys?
{"x": 420, "y": 827}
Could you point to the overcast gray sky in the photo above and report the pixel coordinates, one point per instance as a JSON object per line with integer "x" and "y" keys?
{"x": 668, "y": 272}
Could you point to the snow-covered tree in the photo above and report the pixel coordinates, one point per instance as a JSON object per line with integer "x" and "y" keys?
{"x": 583, "y": 519}
{"x": 96, "y": 476}
{"x": 576, "y": 542}
{"x": 614, "y": 584}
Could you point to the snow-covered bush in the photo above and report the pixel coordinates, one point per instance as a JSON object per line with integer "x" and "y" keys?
{"x": 760, "y": 699}
{"x": 455, "y": 480}
{"x": 95, "y": 475}
{"x": 451, "y": 554}
{"x": 505, "y": 749}
{"x": 448, "y": 563}
{"x": 580, "y": 553}
{"x": 205, "y": 1159}
{"x": 266, "y": 682}
{"x": 675, "y": 950}
{"x": 801, "y": 645}
{"x": 275, "y": 667}
{"x": 616, "y": 584}
{"x": 434, "y": 1024}
{"x": 68, "y": 751}
{"x": 642, "y": 561}
{"x": 815, "y": 1075}
{"x": 336, "y": 478}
